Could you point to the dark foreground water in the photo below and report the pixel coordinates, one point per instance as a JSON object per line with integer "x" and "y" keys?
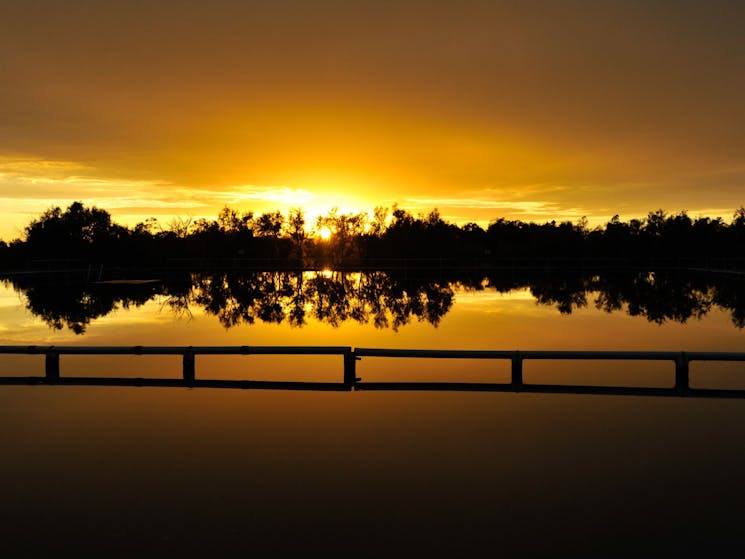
{"x": 202, "y": 472}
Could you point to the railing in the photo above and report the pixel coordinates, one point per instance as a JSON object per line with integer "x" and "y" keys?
{"x": 350, "y": 356}
{"x": 52, "y": 365}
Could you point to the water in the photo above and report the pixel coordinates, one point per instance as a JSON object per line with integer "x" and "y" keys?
{"x": 161, "y": 471}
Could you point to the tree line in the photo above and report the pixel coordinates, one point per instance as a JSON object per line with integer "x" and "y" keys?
{"x": 88, "y": 234}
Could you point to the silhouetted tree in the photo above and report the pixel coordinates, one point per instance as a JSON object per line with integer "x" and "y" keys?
{"x": 295, "y": 226}
{"x": 346, "y": 231}
{"x": 359, "y": 241}
{"x": 74, "y": 233}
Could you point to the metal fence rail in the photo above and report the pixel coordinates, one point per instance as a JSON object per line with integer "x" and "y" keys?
{"x": 350, "y": 356}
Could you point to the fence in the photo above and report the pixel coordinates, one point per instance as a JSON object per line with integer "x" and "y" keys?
{"x": 350, "y": 381}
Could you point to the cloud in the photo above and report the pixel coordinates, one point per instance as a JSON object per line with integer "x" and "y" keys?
{"x": 28, "y": 186}
{"x": 31, "y": 167}
{"x": 283, "y": 195}
{"x": 42, "y": 179}
{"x": 538, "y": 201}
{"x": 520, "y": 206}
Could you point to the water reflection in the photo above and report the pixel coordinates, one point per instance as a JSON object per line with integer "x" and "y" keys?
{"x": 332, "y": 298}
{"x": 659, "y": 297}
{"x": 384, "y": 300}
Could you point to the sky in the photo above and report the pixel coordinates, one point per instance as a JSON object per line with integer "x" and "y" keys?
{"x": 532, "y": 110}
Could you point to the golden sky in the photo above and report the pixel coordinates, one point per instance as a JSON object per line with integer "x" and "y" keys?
{"x": 531, "y": 110}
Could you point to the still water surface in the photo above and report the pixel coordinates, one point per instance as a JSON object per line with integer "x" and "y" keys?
{"x": 161, "y": 471}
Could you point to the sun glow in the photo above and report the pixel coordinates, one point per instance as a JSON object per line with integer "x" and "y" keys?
{"x": 324, "y": 233}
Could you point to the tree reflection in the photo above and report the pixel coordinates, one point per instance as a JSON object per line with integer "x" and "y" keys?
{"x": 381, "y": 299}
{"x": 328, "y": 297}
{"x": 659, "y": 296}
{"x": 65, "y": 304}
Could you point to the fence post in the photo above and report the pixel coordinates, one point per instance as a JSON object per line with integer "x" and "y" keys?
{"x": 189, "y": 367}
{"x": 350, "y": 368}
{"x": 51, "y": 366}
{"x": 517, "y": 371}
{"x": 682, "y": 373}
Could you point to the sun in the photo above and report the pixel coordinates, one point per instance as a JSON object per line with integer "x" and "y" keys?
{"x": 324, "y": 233}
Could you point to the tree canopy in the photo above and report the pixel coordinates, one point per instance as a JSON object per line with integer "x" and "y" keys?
{"x": 81, "y": 233}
